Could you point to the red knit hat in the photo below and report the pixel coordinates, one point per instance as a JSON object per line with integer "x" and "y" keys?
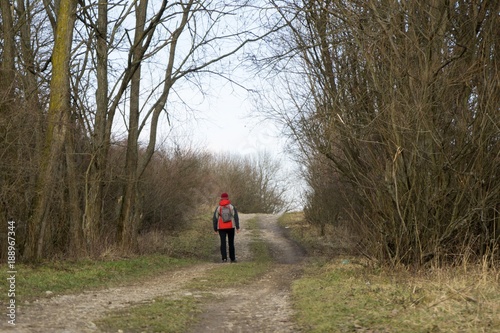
{"x": 224, "y": 195}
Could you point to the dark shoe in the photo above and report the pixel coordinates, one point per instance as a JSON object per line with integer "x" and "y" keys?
{"x": 224, "y": 260}
{"x": 234, "y": 261}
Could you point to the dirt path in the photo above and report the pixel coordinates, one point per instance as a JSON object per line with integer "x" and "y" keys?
{"x": 76, "y": 313}
{"x": 263, "y": 306}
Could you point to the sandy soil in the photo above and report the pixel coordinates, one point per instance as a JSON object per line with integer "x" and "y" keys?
{"x": 262, "y": 306}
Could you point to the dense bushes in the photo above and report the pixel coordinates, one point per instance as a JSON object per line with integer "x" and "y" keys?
{"x": 252, "y": 182}
{"x": 400, "y": 123}
{"x": 178, "y": 184}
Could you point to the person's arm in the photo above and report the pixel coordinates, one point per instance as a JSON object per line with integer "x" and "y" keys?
{"x": 215, "y": 220}
{"x": 236, "y": 219}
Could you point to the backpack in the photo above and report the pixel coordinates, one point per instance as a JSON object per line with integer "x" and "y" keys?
{"x": 225, "y": 213}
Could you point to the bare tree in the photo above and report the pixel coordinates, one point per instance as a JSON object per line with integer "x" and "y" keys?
{"x": 402, "y": 101}
{"x": 188, "y": 45}
{"x": 253, "y": 183}
{"x": 107, "y": 59}
{"x": 180, "y": 40}
{"x": 57, "y": 131}
{"x": 100, "y": 138}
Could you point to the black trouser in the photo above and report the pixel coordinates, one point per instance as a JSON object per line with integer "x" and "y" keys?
{"x": 230, "y": 238}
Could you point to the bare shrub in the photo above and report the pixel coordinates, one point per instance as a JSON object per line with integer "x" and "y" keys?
{"x": 19, "y": 130}
{"x": 174, "y": 188}
{"x": 403, "y": 100}
{"x": 252, "y": 182}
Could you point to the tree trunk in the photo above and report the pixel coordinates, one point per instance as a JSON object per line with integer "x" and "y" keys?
{"x": 130, "y": 217}
{"x": 58, "y": 125}
{"x": 31, "y": 86}
{"x": 76, "y": 243}
{"x": 101, "y": 139}
{"x": 8, "y": 36}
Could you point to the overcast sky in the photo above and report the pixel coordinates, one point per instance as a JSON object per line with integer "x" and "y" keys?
{"x": 226, "y": 121}
{"x": 222, "y": 120}
{"x": 227, "y": 125}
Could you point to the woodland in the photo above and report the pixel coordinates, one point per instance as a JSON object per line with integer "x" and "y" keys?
{"x": 390, "y": 107}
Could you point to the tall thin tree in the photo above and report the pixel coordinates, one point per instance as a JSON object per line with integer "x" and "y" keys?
{"x": 58, "y": 126}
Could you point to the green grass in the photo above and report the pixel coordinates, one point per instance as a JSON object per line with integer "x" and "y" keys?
{"x": 347, "y": 294}
{"x": 300, "y": 231}
{"x": 340, "y": 297}
{"x": 161, "y": 315}
{"x": 232, "y": 275}
{"x": 167, "y": 315}
{"x": 70, "y": 277}
{"x": 179, "y": 249}
{"x": 161, "y": 253}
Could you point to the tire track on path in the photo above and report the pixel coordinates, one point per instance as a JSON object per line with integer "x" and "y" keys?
{"x": 77, "y": 313}
{"x": 264, "y": 305}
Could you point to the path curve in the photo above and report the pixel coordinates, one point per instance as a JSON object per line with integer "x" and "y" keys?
{"x": 262, "y": 306}
{"x": 77, "y": 313}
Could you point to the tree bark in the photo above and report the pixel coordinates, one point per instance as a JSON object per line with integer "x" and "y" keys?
{"x": 76, "y": 242}
{"x": 58, "y": 125}
{"x": 130, "y": 216}
{"x": 9, "y": 47}
{"x": 93, "y": 215}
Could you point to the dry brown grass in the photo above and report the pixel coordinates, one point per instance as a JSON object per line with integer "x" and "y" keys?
{"x": 343, "y": 293}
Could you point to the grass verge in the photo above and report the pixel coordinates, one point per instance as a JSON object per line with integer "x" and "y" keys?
{"x": 193, "y": 240}
{"x": 331, "y": 242}
{"x": 69, "y": 277}
{"x": 345, "y": 294}
{"x": 161, "y": 315}
{"x": 160, "y": 253}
